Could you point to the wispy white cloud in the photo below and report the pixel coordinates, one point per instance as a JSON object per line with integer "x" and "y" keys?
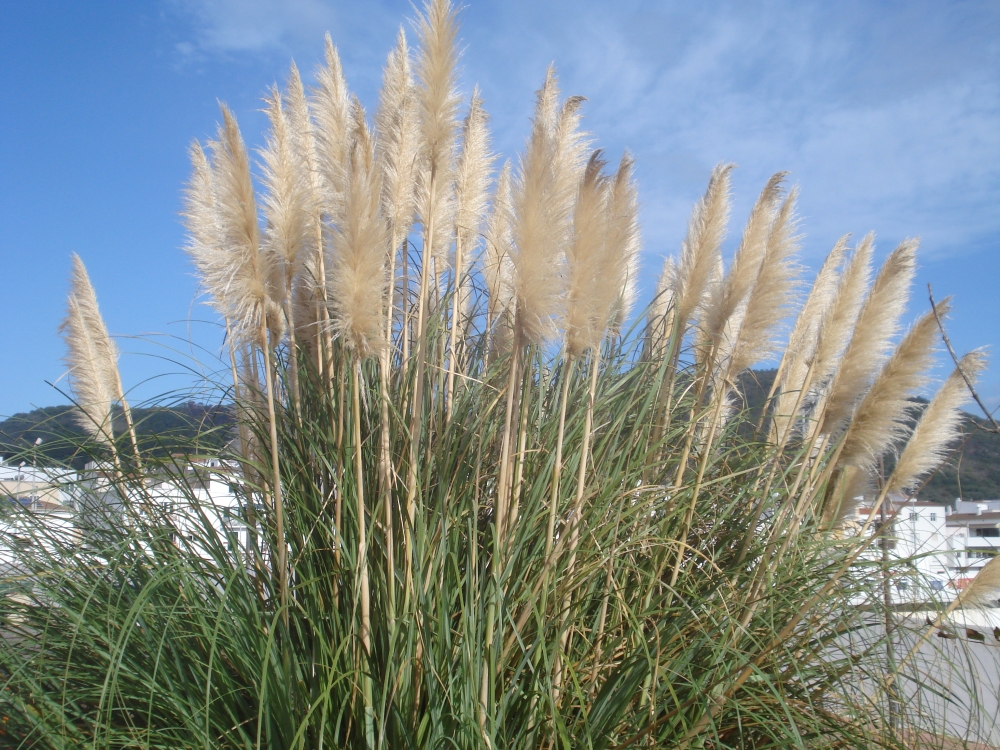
{"x": 887, "y": 114}
{"x": 234, "y": 26}
{"x": 890, "y": 119}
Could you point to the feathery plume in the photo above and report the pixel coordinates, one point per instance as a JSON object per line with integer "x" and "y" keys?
{"x": 471, "y": 178}
{"x": 876, "y": 324}
{"x": 107, "y": 352}
{"x": 87, "y": 361}
{"x": 984, "y": 588}
{"x": 838, "y": 324}
{"x": 302, "y": 131}
{"x": 856, "y": 482}
{"x": 357, "y": 274}
{"x": 624, "y": 240}
{"x": 804, "y": 338}
{"x": 879, "y": 418}
{"x": 472, "y": 175}
{"x": 660, "y": 318}
{"x": 286, "y": 203}
{"x": 310, "y": 288}
{"x": 332, "y": 113}
{"x": 396, "y": 139}
{"x": 586, "y": 314}
{"x": 497, "y": 265}
{"x": 570, "y": 150}
{"x": 939, "y": 426}
{"x": 771, "y": 291}
{"x": 248, "y": 285}
{"x": 204, "y": 242}
{"x": 86, "y": 299}
{"x": 438, "y": 118}
{"x": 702, "y": 342}
{"x": 700, "y": 249}
{"x": 542, "y": 216}
{"x": 743, "y": 272}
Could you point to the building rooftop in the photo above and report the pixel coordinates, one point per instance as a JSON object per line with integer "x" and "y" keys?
{"x": 990, "y": 516}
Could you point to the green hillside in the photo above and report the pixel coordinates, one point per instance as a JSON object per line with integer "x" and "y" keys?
{"x": 189, "y": 428}
{"x": 972, "y": 473}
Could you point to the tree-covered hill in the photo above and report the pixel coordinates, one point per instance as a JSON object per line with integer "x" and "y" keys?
{"x": 190, "y": 428}
{"x": 972, "y": 473}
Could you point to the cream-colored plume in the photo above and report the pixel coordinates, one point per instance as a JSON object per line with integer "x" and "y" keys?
{"x": 204, "y": 239}
{"x": 302, "y": 131}
{"x": 309, "y": 288}
{"x": 660, "y": 318}
{"x": 107, "y": 351}
{"x": 303, "y": 139}
{"x": 939, "y": 426}
{"x": 498, "y": 268}
{"x": 984, "y": 589}
{"x": 542, "y": 214}
{"x": 472, "y": 177}
{"x": 332, "y": 113}
{"x": 570, "y": 149}
{"x": 94, "y": 395}
{"x": 702, "y": 342}
{"x": 805, "y": 335}
{"x": 803, "y": 340}
{"x": 357, "y": 273}
{"x": 587, "y": 299}
{"x": 880, "y": 417}
{"x": 287, "y": 200}
{"x": 92, "y": 357}
{"x": 856, "y": 482}
{"x": 397, "y": 138}
{"x": 700, "y": 249}
{"x": 838, "y": 324}
{"x": 877, "y": 323}
{"x": 624, "y": 240}
{"x": 771, "y": 292}
{"x": 438, "y": 117}
{"x": 249, "y": 284}
{"x": 728, "y": 297}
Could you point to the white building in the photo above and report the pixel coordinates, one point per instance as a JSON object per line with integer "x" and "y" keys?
{"x": 214, "y": 486}
{"x": 920, "y": 537}
{"x": 48, "y": 495}
{"x": 944, "y": 546}
{"x": 974, "y": 538}
{"x": 196, "y": 499}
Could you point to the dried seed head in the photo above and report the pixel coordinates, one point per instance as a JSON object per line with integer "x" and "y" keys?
{"x": 438, "y": 117}
{"x": 287, "y": 199}
{"x": 472, "y": 177}
{"x": 700, "y": 249}
{"x": 877, "y": 323}
{"x": 498, "y": 268}
{"x": 544, "y": 193}
{"x": 92, "y": 358}
{"x": 397, "y": 139}
{"x": 358, "y": 274}
{"x": 939, "y": 426}
{"x": 586, "y": 315}
{"x": 332, "y": 113}
{"x": 880, "y": 417}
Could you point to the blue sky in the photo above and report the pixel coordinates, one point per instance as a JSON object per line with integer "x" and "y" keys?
{"x": 887, "y": 114}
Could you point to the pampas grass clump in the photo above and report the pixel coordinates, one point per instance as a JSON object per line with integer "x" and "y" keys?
{"x": 483, "y": 504}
